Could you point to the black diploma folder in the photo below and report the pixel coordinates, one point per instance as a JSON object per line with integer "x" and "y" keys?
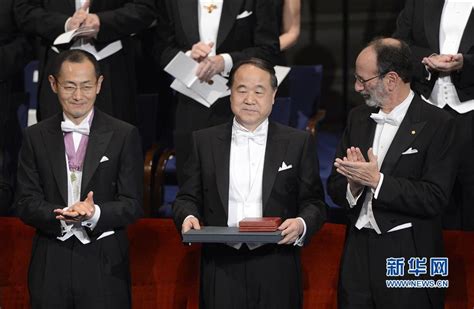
{"x": 223, "y": 234}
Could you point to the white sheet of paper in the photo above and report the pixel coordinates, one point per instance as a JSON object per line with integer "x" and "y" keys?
{"x": 66, "y": 37}
{"x": 281, "y": 72}
{"x": 181, "y": 88}
{"x": 183, "y": 68}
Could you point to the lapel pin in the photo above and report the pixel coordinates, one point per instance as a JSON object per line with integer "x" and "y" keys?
{"x": 413, "y": 132}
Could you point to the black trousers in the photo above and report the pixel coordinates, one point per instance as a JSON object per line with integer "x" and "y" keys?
{"x": 71, "y": 275}
{"x": 266, "y": 277}
{"x": 460, "y": 212}
{"x": 362, "y": 279}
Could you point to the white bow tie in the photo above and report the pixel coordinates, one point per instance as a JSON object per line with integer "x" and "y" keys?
{"x": 379, "y": 119}
{"x": 242, "y": 137}
{"x": 83, "y": 128}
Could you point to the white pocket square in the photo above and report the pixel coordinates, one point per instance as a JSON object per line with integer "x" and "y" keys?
{"x": 284, "y": 167}
{"x": 104, "y": 158}
{"x": 410, "y": 151}
{"x": 244, "y": 14}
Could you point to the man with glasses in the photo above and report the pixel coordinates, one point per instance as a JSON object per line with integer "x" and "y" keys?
{"x": 393, "y": 172}
{"x": 79, "y": 184}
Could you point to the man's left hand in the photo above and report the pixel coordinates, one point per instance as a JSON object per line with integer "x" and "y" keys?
{"x": 291, "y": 230}
{"x": 93, "y": 22}
{"x": 78, "y": 212}
{"x": 444, "y": 63}
{"x": 209, "y": 67}
{"x": 364, "y": 173}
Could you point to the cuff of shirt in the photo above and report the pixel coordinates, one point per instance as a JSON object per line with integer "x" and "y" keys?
{"x": 352, "y": 200}
{"x": 65, "y": 24}
{"x": 379, "y": 185}
{"x": 188, "y": 53}
{"x": 65, "y": 227}
{"x": 92, "y": 222}
{"x": 190, "y": 216}
{"x": 300, "y": 240}
{"x": 228, "y": 63}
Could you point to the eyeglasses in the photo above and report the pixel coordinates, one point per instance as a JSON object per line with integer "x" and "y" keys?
{"x": 363, "y": 81}
{"x": 71, "y": 88}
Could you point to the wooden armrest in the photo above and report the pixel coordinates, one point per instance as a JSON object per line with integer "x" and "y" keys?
{"x": 313, "y": 122}
{"x": 160, "y": 175}
{"x": 147, "y": 179}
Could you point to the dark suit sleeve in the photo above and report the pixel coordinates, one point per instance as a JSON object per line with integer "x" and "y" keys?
{"x": 33, "y": 18}
{"x": 311, "y": 207}
{"x": 132, "y": 17}
{"x": 404, "y": 31}
{"x": 189, "y": 198}
{"x": 465, "y": 77}
{"x": 127, "y": 206}
{"x": 166, "y": 44}
{"x": 337, "y": 183}
{"x": 426, "y": 196}
{"x": 31, "y": 205}
{"x": 266, "y": 44}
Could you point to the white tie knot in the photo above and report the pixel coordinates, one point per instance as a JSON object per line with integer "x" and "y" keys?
{"x": 83, "y": 128}
{"x": 380, "y": 119}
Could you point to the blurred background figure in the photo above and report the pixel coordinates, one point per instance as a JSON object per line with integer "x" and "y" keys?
{"x": 14, "y": 54}
{"x": 441, "y": 36}
{"x": 113, "y": 24}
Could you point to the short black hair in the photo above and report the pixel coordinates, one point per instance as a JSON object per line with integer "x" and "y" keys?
{"x": 75, "y": 56}
{"x": 393, "y": 57}
{"x": 256, "y": 62}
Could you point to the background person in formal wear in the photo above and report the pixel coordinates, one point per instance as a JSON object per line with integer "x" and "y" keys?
{"x": 441, "y": 36}
{"x": 252, "y": 167}
{"x": 15, "y": 51}
{"x": 79, "y": 184}
{"x": 114, "y": 22}
{"x": 393, "y": 172}
{"x": 216, "y": 33}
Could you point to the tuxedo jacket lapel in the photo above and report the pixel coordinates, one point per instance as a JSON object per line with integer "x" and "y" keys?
{"x": 409, "y": 129}
{"x": 188, "y": 10}
{"x": 274, "y": 155}
{"x": 221, "y": 154}
{"x": 230, "y": 10}
{"x": 432, "y": 18}
{"x": 54, "y": 142}
{"x": 99, "y": 139}
{"x": 467, "y": 40}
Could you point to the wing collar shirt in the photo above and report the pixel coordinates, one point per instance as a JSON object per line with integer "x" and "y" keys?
{"x": 247, "y": 153}
{"x": 74, "y": 192}
{"x": 454, "y": 18}
{"x": 384, "y": 133}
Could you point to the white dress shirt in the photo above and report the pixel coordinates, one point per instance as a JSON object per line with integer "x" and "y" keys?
{"x": 384, "y": 134}
{"x": 209, "y": 28}
{"x": 74, "y": 194}
{"x": 453, "y": 22}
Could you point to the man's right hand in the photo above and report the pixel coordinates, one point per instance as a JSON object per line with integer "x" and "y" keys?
{"x": 78, "y": 18}
{"x": 201, "y": 50}
{"x": 190, "y": 223}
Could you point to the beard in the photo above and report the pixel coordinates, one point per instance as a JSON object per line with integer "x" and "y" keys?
{"x": 376, "y": 96}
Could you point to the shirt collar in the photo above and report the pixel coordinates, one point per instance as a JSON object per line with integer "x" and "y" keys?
{"x": 399, "y": 112}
